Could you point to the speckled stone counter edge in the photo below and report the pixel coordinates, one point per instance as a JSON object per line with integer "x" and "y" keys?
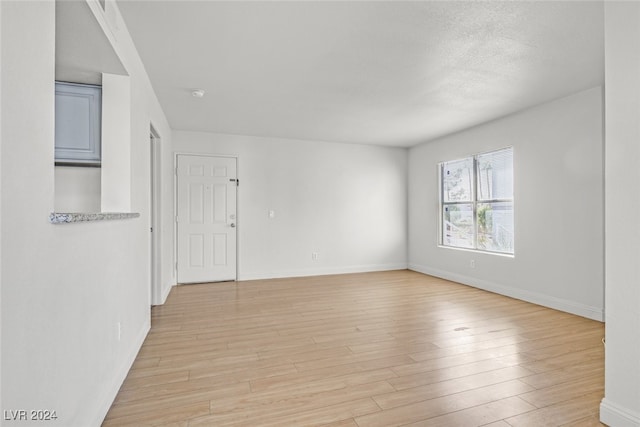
{"x": 65, "y": 218}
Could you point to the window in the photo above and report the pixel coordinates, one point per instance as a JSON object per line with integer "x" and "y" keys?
{"x": 476, "y": 202}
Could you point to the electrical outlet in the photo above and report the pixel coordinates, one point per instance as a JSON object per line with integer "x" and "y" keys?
{"x": 119, "y": 331}
{"x": 472, "y": 263}
{"x": 314, "y": 256}
{"x": 272, "y": 214}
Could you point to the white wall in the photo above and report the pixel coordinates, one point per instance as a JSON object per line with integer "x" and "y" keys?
{"x": 65, "y": 288}
{"x": 1, "y": 133}
{"x": 621, "y": 405}
{"x": 558, "y": 167}
{"x": 347, "y": 202}
{"x": 115, "y": 188}
{"x": 77, "y": 189}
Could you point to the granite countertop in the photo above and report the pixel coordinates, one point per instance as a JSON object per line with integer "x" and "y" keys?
{"x": 68, "y": 217}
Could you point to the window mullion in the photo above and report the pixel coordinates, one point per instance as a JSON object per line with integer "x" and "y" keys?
{"x": 474, "y": 200}
{"x": 441, "y": 225}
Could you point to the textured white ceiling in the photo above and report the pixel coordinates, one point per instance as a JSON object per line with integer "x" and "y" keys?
{"x": 385, "y": 73}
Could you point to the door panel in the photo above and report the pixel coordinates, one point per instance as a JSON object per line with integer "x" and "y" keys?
{"x": 220, "y": 249}
{"x": 206, "y": 219}
{"x": 196, "y": 250}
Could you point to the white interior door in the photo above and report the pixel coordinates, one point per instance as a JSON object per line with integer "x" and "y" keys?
{"x": 207, "y": 188}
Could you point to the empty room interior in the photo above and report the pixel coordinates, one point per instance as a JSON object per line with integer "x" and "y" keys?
{"x": 283, "y": 213}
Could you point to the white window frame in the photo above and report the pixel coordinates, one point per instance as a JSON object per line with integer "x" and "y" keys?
{"x": 474, "y": 202}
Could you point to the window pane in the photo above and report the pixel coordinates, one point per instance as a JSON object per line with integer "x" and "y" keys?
{"x": 495, "y": 175}
{"x": 457, "y": 181}
{"x": 457, "y": 225}
{"x": 495, "y": 226}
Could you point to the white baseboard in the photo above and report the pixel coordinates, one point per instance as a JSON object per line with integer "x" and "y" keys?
{"x": 616, "y": 416}
{"x": 165, "y": 293}
{"x": 121, "y": 374}
{"x": 321, "y": 271}
{"x": 572, "y": 307}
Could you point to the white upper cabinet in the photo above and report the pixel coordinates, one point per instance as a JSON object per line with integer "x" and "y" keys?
{"x": 78, "y": 124}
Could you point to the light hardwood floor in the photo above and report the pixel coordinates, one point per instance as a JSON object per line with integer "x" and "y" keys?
{"x": 373, "y": 349}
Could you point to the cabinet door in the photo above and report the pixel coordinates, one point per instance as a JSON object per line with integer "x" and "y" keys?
{"x": 78, "y": 113}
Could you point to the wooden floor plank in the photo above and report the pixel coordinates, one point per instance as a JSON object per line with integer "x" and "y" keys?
{"x": 567, "y": 412}
{"x": 456, "y": 385}
{"x": 479, "y": 415}
{"x": 446, "y": 405}
{"x": 366, "y": 349}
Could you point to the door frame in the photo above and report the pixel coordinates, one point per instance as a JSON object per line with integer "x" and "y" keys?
{"x": 155, "y": 214}
{"x": 175, "y": 207}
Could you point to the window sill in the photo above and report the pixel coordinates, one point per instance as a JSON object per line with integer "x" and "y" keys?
{"x": 66, "y": 218}
{"x": 477, "y": 251}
